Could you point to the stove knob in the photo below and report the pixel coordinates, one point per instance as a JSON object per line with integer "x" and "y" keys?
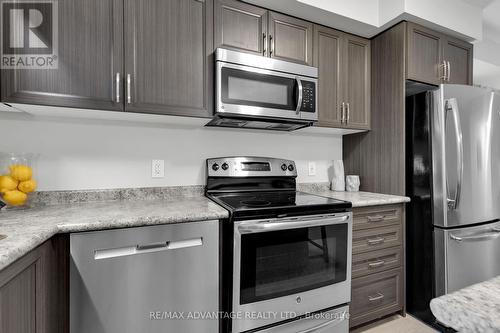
{"x": 283, "y": 167}
{"x": 290, "y": 167}
{"x": 225, "y": 166}
{"x": 215, "y": 167}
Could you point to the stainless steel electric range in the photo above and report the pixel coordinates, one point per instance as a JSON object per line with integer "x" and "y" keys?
{"x": 286, "y": 255}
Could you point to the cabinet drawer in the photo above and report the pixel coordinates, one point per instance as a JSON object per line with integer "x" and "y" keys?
{"x": 376, "y": 261}
{"x": 376, "y": 239}
{"x": 372, "y": 217}
{"x": 376, "y": 295}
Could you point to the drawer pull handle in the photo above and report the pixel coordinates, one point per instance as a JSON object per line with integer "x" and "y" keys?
{"x": 376, "y": 264}
{"x": 375, "y": 241}
{"x": 376, "y": 298}
{"x": 376, "y": 218}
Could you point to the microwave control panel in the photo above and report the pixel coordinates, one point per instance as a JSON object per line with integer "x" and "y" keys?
{"x": 308, "y": 96}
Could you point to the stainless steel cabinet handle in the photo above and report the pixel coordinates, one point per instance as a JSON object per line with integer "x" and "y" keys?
{"x": 493, "y": 234}
{"x": 376, "y": 264}
{"x": 376, "y": 298}
{"x": 117, "y": 87}
{"x": 451, "y": 106}
{"x": 443, "y": 71}
{"x": 376, "y": 218}
{"x": 331, "y": 323}
{"x": 348, "y": 113}
{"x": 129, "y": 89}
{"x": 448, "y": 71}
{"x": 146, "y": 248}
{"x": 264, "y": 43}
{"x": 271, "y": 39}
{"x": 301, "y": 95}
{"x": 374, "y": 241}
{"x": 342, "y": 113}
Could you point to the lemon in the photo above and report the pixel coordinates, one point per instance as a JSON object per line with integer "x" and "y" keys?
{"x": 7, "y": 183}
{"x": 15, "y": 198}
{"x": 21, "y": 172}
{"x": 27, "y": 186}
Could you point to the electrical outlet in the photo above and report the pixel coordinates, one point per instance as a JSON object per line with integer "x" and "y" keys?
{"x": 312, "y": 168}
{"x": 157, "y": 168}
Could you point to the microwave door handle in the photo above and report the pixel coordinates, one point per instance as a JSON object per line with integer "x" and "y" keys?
{"x": 301, "y": 95}
{"x": 451, "y": 106}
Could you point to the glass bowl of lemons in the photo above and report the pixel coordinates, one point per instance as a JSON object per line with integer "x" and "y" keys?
{"x": 17, "y": 179}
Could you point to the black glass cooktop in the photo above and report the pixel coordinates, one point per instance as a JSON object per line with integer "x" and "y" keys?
{"x": 268, "y": 204}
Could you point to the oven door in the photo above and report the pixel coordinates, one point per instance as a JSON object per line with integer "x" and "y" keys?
{"x": 254, "y": 92}
{"x": 290, "y": 266}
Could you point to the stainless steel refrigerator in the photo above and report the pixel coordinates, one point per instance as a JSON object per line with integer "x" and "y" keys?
{"x": 453, "y": 179}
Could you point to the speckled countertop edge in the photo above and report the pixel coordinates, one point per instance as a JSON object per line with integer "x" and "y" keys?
{"x": 29, "y": 228}
{"x": 474, "y": 309}
{"x": 358, "y": 199}
{"x": 122, "y": 208}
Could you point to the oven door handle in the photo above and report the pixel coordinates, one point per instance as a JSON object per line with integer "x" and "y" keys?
{"x": 265, "y": 226}
{"x": 330, "y": 323}
{"x": 301, "y": 95}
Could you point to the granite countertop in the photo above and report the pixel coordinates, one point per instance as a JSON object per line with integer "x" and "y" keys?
{"x": 361, "y": 199}
{"x": 472, "y": 309}
{"x": 28, "y": 228}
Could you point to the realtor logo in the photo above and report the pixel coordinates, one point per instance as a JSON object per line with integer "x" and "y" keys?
{"x": 29, "y": 34}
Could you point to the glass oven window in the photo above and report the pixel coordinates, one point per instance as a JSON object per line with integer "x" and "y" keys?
{"x": 247, "y": 88}
{"x": 280, "y": 263}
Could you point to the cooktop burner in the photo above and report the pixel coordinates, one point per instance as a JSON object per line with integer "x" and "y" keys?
{"x": 275, "y": 202}
{"x": 263, "y": 187}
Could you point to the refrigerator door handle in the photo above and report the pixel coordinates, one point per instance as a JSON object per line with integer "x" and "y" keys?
{"x": 493, "y": 234}
{"x": 452, "y": 107}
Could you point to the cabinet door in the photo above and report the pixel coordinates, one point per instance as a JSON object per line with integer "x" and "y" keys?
{"x": 90, "y": 46}
{"x": 424, "y": 55}
{"x": 241, "y": 27}
{"x": 459, "y": 55}
{"x": 327, "y": 58}
{"x": 357, "y": 82}
{"x": 34, "y": 290}
{"x": 290, "y": 38}
{"x": 18, "y": 302}
{"x": 168, "y": 57}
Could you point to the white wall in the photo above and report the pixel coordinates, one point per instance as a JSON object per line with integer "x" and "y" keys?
{"x": 94, "y": 154}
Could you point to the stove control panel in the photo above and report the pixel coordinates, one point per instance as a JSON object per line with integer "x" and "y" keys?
{"x": 250, "y": 167}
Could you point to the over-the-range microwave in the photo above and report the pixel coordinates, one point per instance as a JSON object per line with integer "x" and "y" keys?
{"x": 258, "y": 92}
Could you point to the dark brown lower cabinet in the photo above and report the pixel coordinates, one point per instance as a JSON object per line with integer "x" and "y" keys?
{"x": 34, "y": 291}
{"x": 378, "y": 278}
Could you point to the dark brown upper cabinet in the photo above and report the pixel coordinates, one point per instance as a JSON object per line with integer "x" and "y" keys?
{"x": 290, "y": 39}
{"x": 343, "y": 63}
{"x": 251, "y": 29}
{"x": 150, "y": 56}
{"x": 168, "y": 57}
{"x": 328, "y": 58}
{"x": 436, "y": 58}
{"x": 459, "y": 55}
{"x": 90, "y": 53}
{"x": 240, "y": 26}
{"x": 357, "y": 82}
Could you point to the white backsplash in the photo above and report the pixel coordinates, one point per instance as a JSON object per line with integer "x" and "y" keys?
{"x": 93, "y": 154}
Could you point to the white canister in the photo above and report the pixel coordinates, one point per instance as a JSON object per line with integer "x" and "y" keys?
{"x": 352, "y": 183}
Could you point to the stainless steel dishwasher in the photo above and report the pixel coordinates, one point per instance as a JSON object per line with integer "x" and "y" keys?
{"x": 155, "y": 279}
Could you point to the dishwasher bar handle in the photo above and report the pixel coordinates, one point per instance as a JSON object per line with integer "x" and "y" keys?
{"x": 146, "y": 248}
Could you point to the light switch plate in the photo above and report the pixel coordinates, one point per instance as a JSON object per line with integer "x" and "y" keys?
{"x": 158, "y": 168}
{"x": 312, "y": 168}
